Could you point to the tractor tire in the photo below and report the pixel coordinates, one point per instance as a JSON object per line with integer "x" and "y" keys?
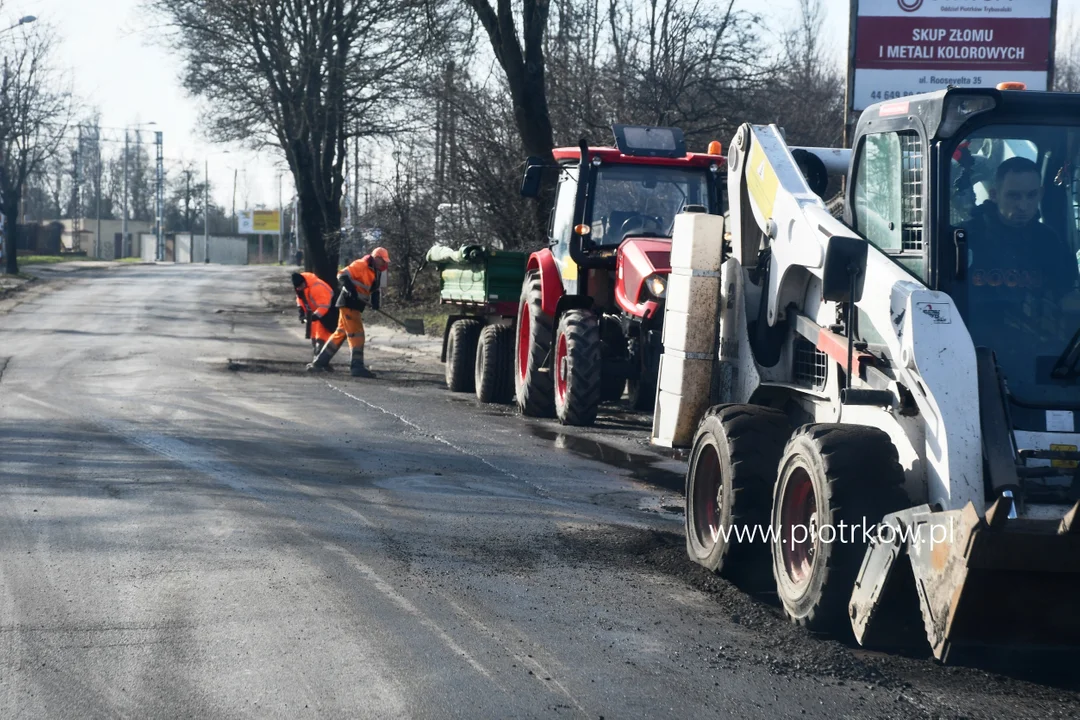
{"x": 533, "y": 388}
{"x": 642, "y": 389}
{"x": 493, "y": 376}
{"x": 461, "y": 354}
{"x": 729, "y": 485}
{"x": 829, "y": 474}
{"x": 578, "y": 368}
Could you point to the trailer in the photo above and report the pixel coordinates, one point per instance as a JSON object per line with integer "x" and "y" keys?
{"x": 483, "y": 286}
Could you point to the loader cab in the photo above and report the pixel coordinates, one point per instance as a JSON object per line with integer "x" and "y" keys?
{"x": 976, "y": 193}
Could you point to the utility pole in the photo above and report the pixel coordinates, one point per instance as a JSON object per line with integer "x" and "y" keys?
{"x": 235, "y": 173}
{"x": 97, "y": 232}
{"x": 160, "y": 199}
{"x": 124, "y": 222}
{"x": 281, "y": 225}
{"x": 206, "y": 211}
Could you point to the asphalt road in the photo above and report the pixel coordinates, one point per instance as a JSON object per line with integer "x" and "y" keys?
{"x": 192, "y": 526}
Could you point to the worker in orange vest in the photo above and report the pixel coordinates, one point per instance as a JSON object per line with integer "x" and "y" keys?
{"x": 359, "y": 287}
{"x": 314, "y": 300}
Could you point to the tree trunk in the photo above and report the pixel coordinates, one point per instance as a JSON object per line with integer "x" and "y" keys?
{"x": 9, "y": 207}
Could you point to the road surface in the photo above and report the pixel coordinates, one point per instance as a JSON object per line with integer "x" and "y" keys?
{"x": 192, "y": 526}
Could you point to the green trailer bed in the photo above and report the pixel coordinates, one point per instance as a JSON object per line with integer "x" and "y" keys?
{"x": 480, "y": 277}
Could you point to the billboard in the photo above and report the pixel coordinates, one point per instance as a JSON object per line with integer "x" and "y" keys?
{"x": 259, "y": 222}
{"x": 907, "y": 47}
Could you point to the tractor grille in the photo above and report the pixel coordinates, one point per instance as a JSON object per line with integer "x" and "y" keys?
{"x": 810, "y": 365}
{"x": 912, "y": 177}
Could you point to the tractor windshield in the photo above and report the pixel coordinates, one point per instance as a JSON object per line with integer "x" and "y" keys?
{"x": 1015, "y": 189}
{"x": 643, "y": 200}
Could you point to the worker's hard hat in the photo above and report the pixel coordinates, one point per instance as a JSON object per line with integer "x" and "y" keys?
{"x": 381, "y": 254}
{"x": 297, "y": 279}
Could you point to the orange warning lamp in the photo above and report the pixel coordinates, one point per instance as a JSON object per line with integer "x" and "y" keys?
{"x": 582, "y": 229}
{"x": 715, "y": 148}
{"x": 1012, "y": 86}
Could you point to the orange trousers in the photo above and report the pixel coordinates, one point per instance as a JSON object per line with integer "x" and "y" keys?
{"x": 350, "y": 327}
{"x": 319, "y": 333}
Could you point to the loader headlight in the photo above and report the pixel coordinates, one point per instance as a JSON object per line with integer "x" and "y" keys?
{"x": 656, "y": 285}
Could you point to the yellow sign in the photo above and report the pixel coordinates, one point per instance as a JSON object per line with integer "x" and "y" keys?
{"x": 259, "y": 221}
{"x": 1063, "y": 463}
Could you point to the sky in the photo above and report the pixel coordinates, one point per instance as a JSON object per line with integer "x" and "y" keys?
{"x": 116, "y": 64}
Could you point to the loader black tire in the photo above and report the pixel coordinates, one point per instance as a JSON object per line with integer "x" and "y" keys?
{"x": 461, "y": 354}
{"x": 494, "y": 358}
{"x": 829, "y": 474}
{"x": 577, "y": 368}
{"x": 729, "y": 485}
{"x": 533, "y": 388}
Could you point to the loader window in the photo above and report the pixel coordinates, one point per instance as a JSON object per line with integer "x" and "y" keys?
{"x": 1012, "y": 188}
{"x": 888, "y": 201}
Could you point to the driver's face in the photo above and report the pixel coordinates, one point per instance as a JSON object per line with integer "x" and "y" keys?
{"x": 1018, "y": 198}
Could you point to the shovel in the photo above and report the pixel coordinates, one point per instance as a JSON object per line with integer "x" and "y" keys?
{"x": 413, "y": 327}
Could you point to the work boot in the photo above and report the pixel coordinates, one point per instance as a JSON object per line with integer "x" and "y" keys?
{"x": 317, "y": 347}
{"x": 357, "y": 367}
{"x": 321, "y": 363}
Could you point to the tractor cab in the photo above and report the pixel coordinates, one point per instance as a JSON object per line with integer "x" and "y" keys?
{"x": 977, "y": 194}
{"x": 611, "y": 235}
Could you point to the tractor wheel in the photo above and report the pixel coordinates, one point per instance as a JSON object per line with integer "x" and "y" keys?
{"x": 642, "y": 389}
{"x": 461, "y": 354}
{"x": 493, "y": 378}
{"x": 577, "y": 368}
{"x": 729, "y": 484}
{"x": 833, "y": 481}
{"x": 533, "y": 387}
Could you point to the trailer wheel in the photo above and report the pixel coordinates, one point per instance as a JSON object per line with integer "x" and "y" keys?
{"x": 578, "y": 367}
{"x": 492, "y": 377}
{"x": 461, "y": 354}
{"x": 533, "y": 387}
{"x": 834, "y": 480}
{"x": 729, "y": 482}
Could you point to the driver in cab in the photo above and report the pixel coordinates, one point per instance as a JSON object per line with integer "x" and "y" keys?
{"x": 1012, "y": 251}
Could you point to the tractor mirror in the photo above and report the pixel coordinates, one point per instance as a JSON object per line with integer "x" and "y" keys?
{"x": 845, "y": 269}
{"x": 530, "y": 184}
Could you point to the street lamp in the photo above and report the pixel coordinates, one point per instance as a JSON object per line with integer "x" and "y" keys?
{"x": 22, "y": 21}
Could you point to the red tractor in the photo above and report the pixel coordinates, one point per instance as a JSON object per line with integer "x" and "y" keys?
{"x": 590, "y": 320}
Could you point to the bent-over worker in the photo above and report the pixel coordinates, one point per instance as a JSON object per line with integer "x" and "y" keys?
{"x": 314, "y": 299}
{"x": 359, "y": 286}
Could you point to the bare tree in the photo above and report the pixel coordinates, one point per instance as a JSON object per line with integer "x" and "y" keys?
{"x": 304, "y": 76}
{"x": 35, "y": 112}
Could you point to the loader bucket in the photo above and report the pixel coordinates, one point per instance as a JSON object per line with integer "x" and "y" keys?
{"x": 987, "y": 589}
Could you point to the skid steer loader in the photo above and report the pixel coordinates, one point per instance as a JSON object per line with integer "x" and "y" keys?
{"x": 882, "y": 407}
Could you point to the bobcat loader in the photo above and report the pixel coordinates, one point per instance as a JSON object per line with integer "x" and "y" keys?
{"x": 882, "y": 407}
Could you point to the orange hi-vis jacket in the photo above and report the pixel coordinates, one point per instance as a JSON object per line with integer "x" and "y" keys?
{"x": 318, "y": 295}
{"x": 362, "y": 276}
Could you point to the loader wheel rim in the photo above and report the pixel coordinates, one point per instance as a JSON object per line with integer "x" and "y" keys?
{"x": 707, "y": 500}
{"x": 523, "y": 344}
{"x": 799, "y": 518}
{"x": 561, "y": 368}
